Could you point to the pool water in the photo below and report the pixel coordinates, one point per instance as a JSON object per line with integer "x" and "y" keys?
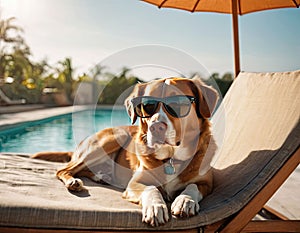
{"x": 60, "y": 133}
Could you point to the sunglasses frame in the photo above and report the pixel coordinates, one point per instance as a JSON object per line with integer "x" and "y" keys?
{"x": 138, "y": 100}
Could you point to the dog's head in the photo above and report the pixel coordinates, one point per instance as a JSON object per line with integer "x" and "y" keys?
{"x": 171, "y": 111}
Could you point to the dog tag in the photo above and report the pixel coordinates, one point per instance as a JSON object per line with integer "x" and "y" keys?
{"x": 169, "y": 168}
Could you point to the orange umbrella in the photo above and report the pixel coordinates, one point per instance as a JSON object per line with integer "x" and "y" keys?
{"x": 234, "y": 7}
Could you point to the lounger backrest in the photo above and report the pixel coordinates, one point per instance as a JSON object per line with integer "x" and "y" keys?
{"x": 260, "y": 111}
{"x": 257, "y": 129}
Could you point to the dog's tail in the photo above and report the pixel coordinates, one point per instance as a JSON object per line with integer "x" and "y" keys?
{"x": 53, "y": 156}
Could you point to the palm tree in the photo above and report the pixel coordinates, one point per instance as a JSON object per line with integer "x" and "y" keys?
{"x": 15, "y": 62}
{"x": 66, "y": 76}
{"x": 6, "y": 27}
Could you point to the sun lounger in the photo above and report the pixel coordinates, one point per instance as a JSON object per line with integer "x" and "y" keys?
{"x": 8, "y": 101}
{"x": 258, "y": 132}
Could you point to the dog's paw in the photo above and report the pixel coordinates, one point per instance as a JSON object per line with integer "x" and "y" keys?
{"x": 184, "y": 206}
{"x": 155, "y": 214}
{"x": 155, "y": 211}
{"x": 74, "y": 184}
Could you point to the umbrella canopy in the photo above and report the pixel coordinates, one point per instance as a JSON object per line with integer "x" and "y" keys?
{"x": 234, "y": 7}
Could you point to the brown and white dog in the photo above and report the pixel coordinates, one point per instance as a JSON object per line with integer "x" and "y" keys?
{"x": 164, "y": 153}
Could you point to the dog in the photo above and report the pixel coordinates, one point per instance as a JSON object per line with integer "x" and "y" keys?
{"x": 159, "y": 160}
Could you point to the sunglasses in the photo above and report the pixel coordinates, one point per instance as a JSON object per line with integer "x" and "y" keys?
{"x": 177, "y": 106}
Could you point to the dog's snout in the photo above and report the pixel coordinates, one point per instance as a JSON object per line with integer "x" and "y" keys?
{"x": 158, "y": 128}
{"x": 157, "y": 133}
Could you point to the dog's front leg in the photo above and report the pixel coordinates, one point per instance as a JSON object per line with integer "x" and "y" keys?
{"x": 187, "y": 203}
{"x": 154, "y": 208}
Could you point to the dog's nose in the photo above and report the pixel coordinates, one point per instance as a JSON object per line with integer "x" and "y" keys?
{"x": 159, "y": 128}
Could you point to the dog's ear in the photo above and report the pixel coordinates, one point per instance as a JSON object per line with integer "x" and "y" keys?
{"x": 130, "y": 110}
{"x": 207, "y": 98}
{"x": 128, "y": 104}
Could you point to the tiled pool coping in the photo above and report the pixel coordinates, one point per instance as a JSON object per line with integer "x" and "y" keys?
{"x": 14, "y": 119}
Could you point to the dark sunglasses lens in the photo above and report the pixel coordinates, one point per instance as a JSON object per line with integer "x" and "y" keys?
{"x": 146, "y": 108}
{"x": 178, "y": 106}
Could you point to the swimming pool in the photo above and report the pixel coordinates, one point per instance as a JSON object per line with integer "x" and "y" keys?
{"x": 59, "y": 133}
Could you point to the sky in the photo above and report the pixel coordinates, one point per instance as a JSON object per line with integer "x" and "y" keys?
{"x": 116, "y": 31}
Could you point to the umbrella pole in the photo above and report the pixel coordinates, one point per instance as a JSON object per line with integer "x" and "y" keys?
{"x": 235, "y": 26}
